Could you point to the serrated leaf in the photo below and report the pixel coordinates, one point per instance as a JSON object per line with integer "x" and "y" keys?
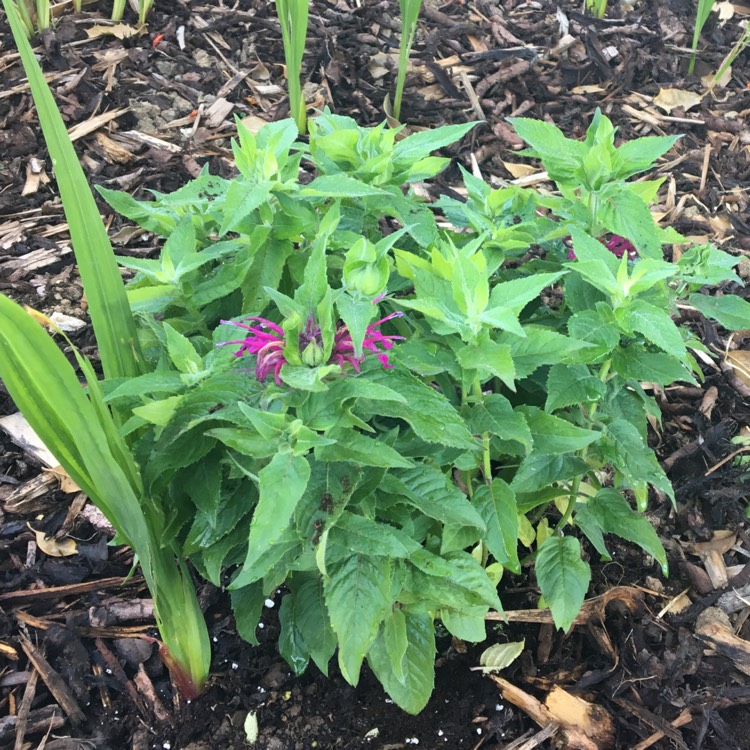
{"x": 358, "y": 599}
{"x": 563, "y": 578}
{"x": 419, "y": 664}
{"x": 615, "y": 516}
{"x": 432, "y": 417}
{"x": 311, "y": 618}
{"x": 636, "y": 363}
{"x": 496, "y": 504}
{"x": 572, "y": 384}
{"x": 429, "y": 490}
{"x": 282, "y": 483}
{"x": 730, "y": 310}
{"x": 365, "y": 536}
{"x": 656, "y": 326}
{"x": 553, "y": 435}
{"x": 495, "y": 414}
{"x": 539, "y": 470}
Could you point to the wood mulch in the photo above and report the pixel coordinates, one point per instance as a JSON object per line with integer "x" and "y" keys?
{"x": 666, "y": 662}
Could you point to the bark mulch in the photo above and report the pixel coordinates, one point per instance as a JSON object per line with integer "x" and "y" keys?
{"x": 666, "y": 661}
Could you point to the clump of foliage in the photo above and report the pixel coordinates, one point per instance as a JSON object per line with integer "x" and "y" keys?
{"x": 380, "y": 421}
{"x": 324, "y": 389}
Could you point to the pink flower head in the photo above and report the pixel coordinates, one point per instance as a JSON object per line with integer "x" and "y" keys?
{"x": 375, "y": 341}
{"x": 268, "y": 346}
{"x": 616, "y": 244}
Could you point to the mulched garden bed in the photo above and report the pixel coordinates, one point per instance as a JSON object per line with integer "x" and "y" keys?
{"x": 147, "y": 112}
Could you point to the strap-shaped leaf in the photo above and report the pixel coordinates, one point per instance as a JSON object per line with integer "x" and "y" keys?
{"x": 108, "y": 306}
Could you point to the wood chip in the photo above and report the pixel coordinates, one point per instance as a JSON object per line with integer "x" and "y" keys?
{"x": 21, "y": 433}
{"x": 94, "y": 123}
{"x": 55, "y": 684}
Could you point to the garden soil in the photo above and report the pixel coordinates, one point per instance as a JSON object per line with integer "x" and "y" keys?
{"x": 652, "y": 661}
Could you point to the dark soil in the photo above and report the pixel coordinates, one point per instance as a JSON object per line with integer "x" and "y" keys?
{"x": 648, "y": 669}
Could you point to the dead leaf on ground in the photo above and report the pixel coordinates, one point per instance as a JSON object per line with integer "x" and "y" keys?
{"x": 589, "y": 88}
{"x": 119, "y": 30}
{"x": 725, "y": 9}
{"x": 67, "y": 484}
{"x": 55, "y": 547}
{"x": 721, "y": 541}
{"x": 519, "y": 170}
{"x": 669, "y": 99}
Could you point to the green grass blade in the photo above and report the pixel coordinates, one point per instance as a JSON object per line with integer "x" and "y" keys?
{"x": 703, "y": 12}
{"x": 82, "y": 436}
{"x": 409, "y": 16}
{"x": 108, "y": 306}
{"x": 293, "y": 17}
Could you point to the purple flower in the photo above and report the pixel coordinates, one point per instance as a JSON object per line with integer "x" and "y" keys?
{"x": 268, "y": 345}
{"x": 268, "y": 348}
{"x": 616, "y": 244}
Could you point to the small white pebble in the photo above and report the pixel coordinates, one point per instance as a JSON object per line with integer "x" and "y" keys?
{"x": 498, "y": 707}
{"x": 167, "y": 746}
{"x": 108, "y": 670}
{"x": 479, "y": 730}
{"x": 261, "y": 690}
{"x": 261, "y": 625}
{"x": 235, "y": 665}
{"x": 215, "y": 639}
{"x": 269, "y": 603}
{"x": 440, "y": 732}
{"x": 388, "y": 700}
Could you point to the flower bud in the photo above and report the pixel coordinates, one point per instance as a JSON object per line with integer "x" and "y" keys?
{"x": 312, "y": 354}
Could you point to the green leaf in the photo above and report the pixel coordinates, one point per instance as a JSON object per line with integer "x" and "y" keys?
{"x": 490, "y": 360}
{"x": 541, "y": 346}
{"x": 414, "y": 691}
{"x": 108, "y": 307}
{"x": 468, "y": 624}
{"x": 629, "y": 216}
{"x": 640, "y": 154}
{"x": 292, "y": 646}
{"x": 655, "y": 325}
{"x": 563, "y": 578}
{"x": 311, "y": 619}
{"x": 417, "y": 146}
{"x": 358, "y": 599}
{"x": 572, "y": 384}
{"x": 538, "y": 471}
{"x": 364, "y": 536}
{"x": 730, "y": 310}
{"x": 182, "y": 352}
{"x": 340, "y": 186}
{"x": 396, "y": 643}
{"x": 562, "y": 157}
{"x": 501, "y": 655}
{"x": 553, "y": 435}
{"x": 247, "y": 607}
{"x": 430, "y": 414}
{"x": 496, "y": 504}
{"x": 597, "y": 327}
{"x": 282, "y": 483}
{"x": 243, "y": 197}
{"x": 636, "y": 363}
{"x": 629, "y": 453}
{"x": 615, "y": 516}
{"x": 495, "y": 414}
{"x": 356, "y": 448}
{"x": 429, "y": 490}
{"x": 517, "y": 293}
